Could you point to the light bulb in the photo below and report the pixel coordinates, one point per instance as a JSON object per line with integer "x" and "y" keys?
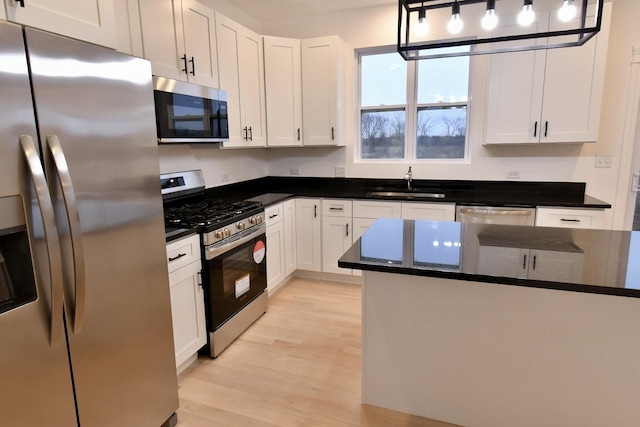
{"x": 568, "y": 11}
{"x": 455, "y": 23}
{"x": 423, "y": 26}
{"x": 527, "y": 16}
{"x": 489, "y": 20}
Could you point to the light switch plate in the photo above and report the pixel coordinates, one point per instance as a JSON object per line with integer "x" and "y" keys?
{"x": 340, "y": 172}
{"x": 603, "y": 160}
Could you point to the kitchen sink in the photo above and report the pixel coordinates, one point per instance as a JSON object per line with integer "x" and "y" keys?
{"x": 408, "y": 194}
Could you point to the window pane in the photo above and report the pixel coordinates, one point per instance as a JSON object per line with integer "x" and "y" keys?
{"x": 382, "y": 134}
{"x": 384, "y": 80}
{"x": 444, "y": 79}
{"x": 441, "y": 132}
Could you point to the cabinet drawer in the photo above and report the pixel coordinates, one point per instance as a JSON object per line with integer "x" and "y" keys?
{"x": 273, "y": 214}
{"x": 182, "y": 252}
{"x": 429, "y": 211}
{"x": 570, "y": 218}
{"x": 341, "y": 208}
{"x": 376, "y": 209}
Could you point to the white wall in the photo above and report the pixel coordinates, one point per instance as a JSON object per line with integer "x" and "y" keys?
{"x": 219, "y": 166}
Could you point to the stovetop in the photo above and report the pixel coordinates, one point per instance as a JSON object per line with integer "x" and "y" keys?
{"x": 209, "y": 214}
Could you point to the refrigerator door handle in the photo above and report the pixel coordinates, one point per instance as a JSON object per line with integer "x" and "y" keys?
{"x": 75, "y": 231}
{"x": 30, "y": 153}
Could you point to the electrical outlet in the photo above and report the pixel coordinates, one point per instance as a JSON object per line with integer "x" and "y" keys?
{"x": 224, "y": 177}
{"x": 513, "y": 174}
{"x": 339, "y": 171}
{"x": 603, "y": 160}
{"x": 294, "y": 171}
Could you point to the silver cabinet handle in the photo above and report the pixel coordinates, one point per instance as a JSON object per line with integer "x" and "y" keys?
{"x": 75, "y": 230}
{"x": 30, "y": 153}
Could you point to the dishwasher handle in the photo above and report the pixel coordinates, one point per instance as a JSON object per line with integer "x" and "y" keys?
{"x": 489, "y": 211}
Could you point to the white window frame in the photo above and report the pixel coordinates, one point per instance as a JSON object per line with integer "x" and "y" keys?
{"x": 411, "y": 112}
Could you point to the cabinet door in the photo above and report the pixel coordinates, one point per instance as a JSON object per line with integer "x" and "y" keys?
{"x": 89, "y": 20}
{"x": 163, "y": 38}
{"x": 429, "y": 211}
{"x": 289, "y": 237}
{"x": 275, "y": 256}
{"x": 322, "y": 68}
{"x": 336, "y": 240}
{"x": 574, "y": 80}
{"x": 251, "y": 58}
{"x": 556, "y": 266}
{"x": 308, "y": 234}
{"x": 228, "y": 39}
{"x": 360, "y": 225}
{"x": 187, "y": 311}
{"x": 283, "y": 86}
{"x": 514, "y": 93}
{"x": 200, "y": 43}
{"x": 503, "y": 261}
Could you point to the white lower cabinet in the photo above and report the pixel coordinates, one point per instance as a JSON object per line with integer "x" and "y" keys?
{"x": 429, "y": 211}
{"x": 187, "y": 297}
{"x": 275, "y": 246}
{"x": 535, "y": 264}
{"x": 309, "y": 234}
{"x": 289, "y": 223}
{"x": 337, "y": 233}
{"x": 570, "y": 218}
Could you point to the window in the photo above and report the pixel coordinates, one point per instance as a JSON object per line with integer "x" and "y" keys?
{"x": 413, "y": 110}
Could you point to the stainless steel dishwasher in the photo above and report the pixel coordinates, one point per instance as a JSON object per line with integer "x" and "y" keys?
{"x": 496, "y": 215}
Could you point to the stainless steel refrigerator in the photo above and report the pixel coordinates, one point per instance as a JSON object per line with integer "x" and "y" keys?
{"x": 85, "y": 321}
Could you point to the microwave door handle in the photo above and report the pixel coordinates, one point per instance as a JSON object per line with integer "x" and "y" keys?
{"x": 30, "y": 153}
{"x": 71, "y": 205}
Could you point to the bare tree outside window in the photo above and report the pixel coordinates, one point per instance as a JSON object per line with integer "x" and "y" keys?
{"x": 383, "y": 134}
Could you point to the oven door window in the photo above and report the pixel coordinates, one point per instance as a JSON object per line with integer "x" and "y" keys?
{"x": 236, "y": 278}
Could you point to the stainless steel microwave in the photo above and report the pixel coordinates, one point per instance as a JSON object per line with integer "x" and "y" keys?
{"x": 189, "y": 113}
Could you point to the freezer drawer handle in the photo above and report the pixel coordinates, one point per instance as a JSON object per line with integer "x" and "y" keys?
{"x": 75, "y": 230}
{"x": 30, "y": 153}
{"x": 171, "y": 259}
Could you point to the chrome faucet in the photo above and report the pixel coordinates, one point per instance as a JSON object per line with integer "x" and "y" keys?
{"x": 409, "y": 178}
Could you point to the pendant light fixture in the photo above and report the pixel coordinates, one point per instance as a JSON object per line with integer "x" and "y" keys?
{"x": 490, "y": 19}
{"x": 487, "y": 30}
{"x": 455, "y": 24}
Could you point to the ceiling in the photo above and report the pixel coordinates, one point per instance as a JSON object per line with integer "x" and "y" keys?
{"x": 275, "y": 10}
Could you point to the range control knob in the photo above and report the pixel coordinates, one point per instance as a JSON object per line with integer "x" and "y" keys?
{"x": 226, "y": 232}
{"x": 256, "y": 219}
{"x": 241, "y": 225}
{"x": 219, "y": 234}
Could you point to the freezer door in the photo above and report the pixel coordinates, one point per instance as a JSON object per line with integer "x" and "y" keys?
{"x": 35, "y": 379}
{"x": 97, "y": 129}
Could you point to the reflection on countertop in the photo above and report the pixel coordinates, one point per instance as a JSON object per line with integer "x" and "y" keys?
{"x": 582, "y": 260}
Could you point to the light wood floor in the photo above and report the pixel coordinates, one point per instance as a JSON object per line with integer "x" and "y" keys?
{"x": 298, "y": 365}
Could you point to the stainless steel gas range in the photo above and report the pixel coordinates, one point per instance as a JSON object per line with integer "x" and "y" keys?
{"x": 234, "y": 270}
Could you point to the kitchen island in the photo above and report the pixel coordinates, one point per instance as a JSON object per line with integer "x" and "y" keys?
{"x": 500, "y": 326}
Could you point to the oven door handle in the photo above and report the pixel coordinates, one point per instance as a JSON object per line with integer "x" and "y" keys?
{"x": 213, "y": 251}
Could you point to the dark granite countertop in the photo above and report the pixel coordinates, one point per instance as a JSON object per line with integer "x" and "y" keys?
{"x": 269, "y": 199}
{"x": 487, "y": 193}
{"x": 172, "y": 234}
{"x": 580, "y": 260}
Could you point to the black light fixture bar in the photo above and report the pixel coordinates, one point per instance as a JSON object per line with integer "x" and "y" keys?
{"x": 411, "y": 49}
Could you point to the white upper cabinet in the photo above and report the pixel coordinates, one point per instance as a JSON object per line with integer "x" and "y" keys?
{"x": 283, "y": 85}
{"x": 179, "y": 39}
{"x": 547, "y": 96}
{"x": 322, "y": 91}
{"x": 241, "y": 68}
{"x": 88, "y": 20}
